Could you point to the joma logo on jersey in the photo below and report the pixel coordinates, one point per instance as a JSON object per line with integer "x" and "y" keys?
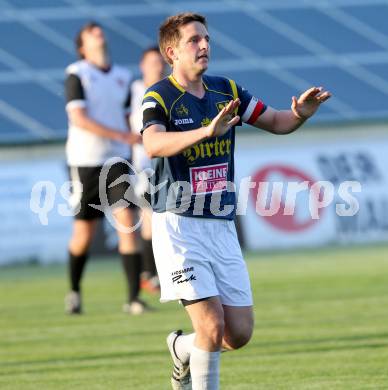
{"x": 182, "y": 110}
{"x": 221, "y": 105}
{"x": 184, "y": 121}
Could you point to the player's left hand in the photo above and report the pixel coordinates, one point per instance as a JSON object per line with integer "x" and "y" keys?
{"x": 308, "y": 102}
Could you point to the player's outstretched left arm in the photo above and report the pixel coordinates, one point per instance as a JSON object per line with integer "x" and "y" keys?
{"x": 302, "y": 108}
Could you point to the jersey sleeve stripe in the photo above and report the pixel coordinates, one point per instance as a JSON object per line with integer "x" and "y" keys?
{"x": 158, "y": 98}
{"x": 148, "y": 105}
{"x": 259, "y": 109}
{"x": 248, "y": 112}
{"x": 234, "y": 91}
{"x": 254, "y": 110}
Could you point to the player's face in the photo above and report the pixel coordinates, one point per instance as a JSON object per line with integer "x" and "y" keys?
{"x": 93, "y": 40}
{"x": 193, "y": 51}
{"x": 152, "y": 65}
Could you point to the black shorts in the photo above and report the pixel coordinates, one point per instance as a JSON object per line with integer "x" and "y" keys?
{"x": 91, "y": 178}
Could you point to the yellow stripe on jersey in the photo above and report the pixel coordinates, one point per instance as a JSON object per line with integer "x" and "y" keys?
{"x": 234, "y": 91}
{"x": 176, "y": 84}
{"x": 158, "y": 98}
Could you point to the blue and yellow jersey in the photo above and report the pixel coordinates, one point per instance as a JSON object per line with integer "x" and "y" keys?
{"x": 199, "y": 181}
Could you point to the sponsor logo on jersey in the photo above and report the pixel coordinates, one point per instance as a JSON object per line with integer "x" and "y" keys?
{"x": 185, "y": 121}
{"x": 182, "y": 110}
{"x": 207, "y": 150}
{"x": 209, "y": 179}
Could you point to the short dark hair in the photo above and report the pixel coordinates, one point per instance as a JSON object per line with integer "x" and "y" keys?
{"x": 78, "y": 38}
{"x": 169, "y": 33}
{"x": 150, "y": 49}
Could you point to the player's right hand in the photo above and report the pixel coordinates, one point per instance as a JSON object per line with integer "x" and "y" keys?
{"x": 225, "y": 119}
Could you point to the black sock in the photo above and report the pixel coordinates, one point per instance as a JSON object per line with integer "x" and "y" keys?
{"x": 132, "y": 267}
{"x": 76, "y": 268}
{"x": 148, "y": 258}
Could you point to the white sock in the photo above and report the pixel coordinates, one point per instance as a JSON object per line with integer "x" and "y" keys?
{"x": 183, "y": 346}
{"x": 205, "y": 369}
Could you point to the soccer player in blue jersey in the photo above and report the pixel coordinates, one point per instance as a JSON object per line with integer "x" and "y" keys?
{"x": 189, "y": 122}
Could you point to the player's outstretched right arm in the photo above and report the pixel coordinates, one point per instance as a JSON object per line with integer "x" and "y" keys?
{"x": 161, "y": 143}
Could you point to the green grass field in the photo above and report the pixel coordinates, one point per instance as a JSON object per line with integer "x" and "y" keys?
{"x": 321, "y": 323}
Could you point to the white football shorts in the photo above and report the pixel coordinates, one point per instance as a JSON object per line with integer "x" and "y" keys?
{"x": 199, "y": 258}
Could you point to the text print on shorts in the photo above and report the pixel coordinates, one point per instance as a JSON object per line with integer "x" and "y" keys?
{"x": 178, "y": 275}
{"x": 209, "y": 179}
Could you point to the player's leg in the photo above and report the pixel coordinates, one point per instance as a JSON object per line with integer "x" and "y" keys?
{"x": 239, "y": 324}
{"x": 84, "y": 192}
{"x": 185, "y": 273}
{"x": 207, "y": 317}
{"x": 120, "y": 198}
{"x": 131, "y": 260}
{"x": 127, "y": 243}
{"x": 82, "y": 235}
{"x": 149, "y": 277}
{"x": 233, "y": 284}
{"x": 149, "y": 280}
{"x": 216, "y": 326}
{"x": 83, "y": 232}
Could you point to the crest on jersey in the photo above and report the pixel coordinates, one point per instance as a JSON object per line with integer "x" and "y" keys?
{"x": 205, "y": 122}
{"x": 221, "y": 105}
{"x": 182, "y": 110}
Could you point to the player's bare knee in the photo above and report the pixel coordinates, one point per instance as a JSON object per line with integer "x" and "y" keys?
{"x": 239, "y": 336}
{"x": 79, "y": 245}
{"x": 216, "y": 331}
{"x": 212, "y": 331}
{"x": 125, "y": 247}
{"x": 239, "y": 339}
